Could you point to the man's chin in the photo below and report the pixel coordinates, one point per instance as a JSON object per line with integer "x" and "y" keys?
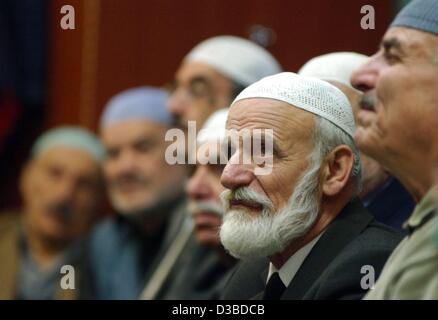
{"x": 245, "y": 238}
{"x": 132, "y": 211}
{"x": 367, "y": 143}
{"x": 129, "y": 204}
{"x": 56, "y": 234}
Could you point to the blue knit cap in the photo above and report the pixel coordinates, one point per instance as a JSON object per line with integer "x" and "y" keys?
{"x": 419, "y": 14}
{"x": 69, "y": 136}
{"x": 141, "y": 103}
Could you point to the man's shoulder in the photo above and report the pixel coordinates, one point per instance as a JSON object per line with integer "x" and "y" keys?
{"x": 9, "y": 216}
{"x": 421, "y": 245}
{"x": 373, "y": 246}
{"x": 363, "y": 258}
{"x": 378, "y": 235}
{"x": 411, "y": 271}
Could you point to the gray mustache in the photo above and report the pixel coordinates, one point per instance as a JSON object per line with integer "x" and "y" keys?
{"x": 128, "y": 179}
{"x": 247, "y": 194}
{"x": 63, "y": 210}
{"x": 205, "y": 206}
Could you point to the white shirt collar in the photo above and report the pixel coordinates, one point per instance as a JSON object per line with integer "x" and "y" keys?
{"x": 290, "y": 268}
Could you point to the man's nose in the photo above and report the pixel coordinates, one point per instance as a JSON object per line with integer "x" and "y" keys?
{"x": 197, "y": 187}
{"x": 65, "y": 190}
{"x": 126, "y": 161}
{"x": 365, "y": 77}
{"x": 236, "y": 175}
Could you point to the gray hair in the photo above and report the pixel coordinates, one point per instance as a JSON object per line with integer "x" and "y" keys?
{"x": 328, "y": 136}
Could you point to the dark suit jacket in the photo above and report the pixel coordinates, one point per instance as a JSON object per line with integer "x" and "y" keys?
{"x": 390, "y": 204}
{"x": 332, "y": 270}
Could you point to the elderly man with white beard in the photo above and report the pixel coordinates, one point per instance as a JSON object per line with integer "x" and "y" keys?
{"x": 300, "y": 230}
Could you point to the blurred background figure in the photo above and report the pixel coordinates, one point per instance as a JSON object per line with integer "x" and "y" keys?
{"x": 384, "y": 197}
{"x": 146, "y": 192}
{"x": 203, "y": 265}
{"x": 62, "y": 190}
{"x": 213, "y": 73}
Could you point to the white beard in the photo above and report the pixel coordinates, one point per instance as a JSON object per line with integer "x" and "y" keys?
{"x": 246, "y": 236}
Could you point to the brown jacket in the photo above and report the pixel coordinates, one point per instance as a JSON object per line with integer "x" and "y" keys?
{"x": 10, "y": 260}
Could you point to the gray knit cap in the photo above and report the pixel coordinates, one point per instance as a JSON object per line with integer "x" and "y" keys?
{"x": 419, "y": 14}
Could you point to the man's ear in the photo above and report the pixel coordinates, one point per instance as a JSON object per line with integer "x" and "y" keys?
{"x": 337, "y": 168}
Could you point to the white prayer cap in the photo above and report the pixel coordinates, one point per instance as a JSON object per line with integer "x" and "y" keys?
{"x": 241, "y": 60}
{"x": 336, "y": 66}
{"x": 147, "y": 103}
{"x": 69, "y": 136}
{"x": 310, "y": 94}
{"x": 214, "y": 129}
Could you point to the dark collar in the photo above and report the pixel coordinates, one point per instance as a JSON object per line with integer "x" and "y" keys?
{"x": 350, "y": 222}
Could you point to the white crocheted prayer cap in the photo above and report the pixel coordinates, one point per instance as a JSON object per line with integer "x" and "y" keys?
{"x": 337, "y": 66}
{"x": 214, "y": 129}
{"x": 310, "y": 94}
{"x": 241, "y": 60}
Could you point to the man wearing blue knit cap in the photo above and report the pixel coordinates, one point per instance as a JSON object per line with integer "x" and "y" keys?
{"x": 397, "y": 125}
{"x": 145, "y": 191}
{"x": 61, "y": 187}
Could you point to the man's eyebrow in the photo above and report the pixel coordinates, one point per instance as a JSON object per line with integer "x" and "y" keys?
{"x": 392, "y": 43}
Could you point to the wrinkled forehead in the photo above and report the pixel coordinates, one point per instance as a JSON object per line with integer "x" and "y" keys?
{"x": 410, "y": 41}
{"x": 265, "y": 113}
{"x": 265, "y": 118}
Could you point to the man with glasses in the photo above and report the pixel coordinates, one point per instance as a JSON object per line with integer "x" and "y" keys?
{"x": 213, "y": 73}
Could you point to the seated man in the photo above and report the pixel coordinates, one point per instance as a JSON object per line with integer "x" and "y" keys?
{"x": 145, "y": 191}
{"x": 382, "y": 194}
{"x": 62, "y": 188}
{"x": 300, "y": 229}
{"x": 204, "y": 251}
{"x": 397, "y": 124}
{"x": 213, "y": 73}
